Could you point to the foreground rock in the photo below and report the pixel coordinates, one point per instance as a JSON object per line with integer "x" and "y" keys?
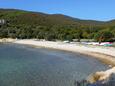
{"x": 103, "y": 78}
{"x": 102, "y": 75}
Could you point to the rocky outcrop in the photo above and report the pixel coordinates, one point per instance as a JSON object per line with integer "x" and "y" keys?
{"x": 103, "y": 76}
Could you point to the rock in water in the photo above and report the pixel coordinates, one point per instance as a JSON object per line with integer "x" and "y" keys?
{"x": 105, "y": 77}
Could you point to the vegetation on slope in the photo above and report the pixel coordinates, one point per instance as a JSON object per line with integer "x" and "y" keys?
{"x": 25, "y": 24}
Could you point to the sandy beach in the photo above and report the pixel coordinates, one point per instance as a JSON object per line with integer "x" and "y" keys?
{"x": 101, "y": 53}
{"x": 104, "y": 54}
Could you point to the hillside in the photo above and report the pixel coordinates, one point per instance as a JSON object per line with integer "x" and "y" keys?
{"x": 27, "y": 17}
{"x": 27, "y": 24}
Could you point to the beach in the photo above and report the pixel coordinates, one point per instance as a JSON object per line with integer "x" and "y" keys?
{"x": 104, "y": 54}
{"x": 30, "y": 66}
{"x": 101, "y": 53}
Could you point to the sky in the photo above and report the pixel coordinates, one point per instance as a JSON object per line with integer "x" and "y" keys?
{"x": 103, "y": 10}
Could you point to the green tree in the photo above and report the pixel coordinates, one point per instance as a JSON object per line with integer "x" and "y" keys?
{"x": 103, "y": 35}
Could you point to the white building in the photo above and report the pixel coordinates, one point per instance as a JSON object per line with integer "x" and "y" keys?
{"x": 2, "y": 21}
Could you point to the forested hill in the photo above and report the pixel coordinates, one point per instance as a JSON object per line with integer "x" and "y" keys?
{"x": 27, "y": 24}
{"x": 37, "y": 18}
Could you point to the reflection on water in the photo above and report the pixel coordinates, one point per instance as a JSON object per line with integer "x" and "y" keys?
{"x": 26, "y": 66}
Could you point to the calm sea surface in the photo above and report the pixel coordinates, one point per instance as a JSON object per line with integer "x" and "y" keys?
{"x": 26, "y": 66}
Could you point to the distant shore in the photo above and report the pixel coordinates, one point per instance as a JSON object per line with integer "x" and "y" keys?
{"x": 6, "y": 40}
{"x": 104, "y": 54}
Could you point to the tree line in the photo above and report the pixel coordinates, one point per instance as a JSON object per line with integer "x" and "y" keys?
{"x": 56, "y": 32}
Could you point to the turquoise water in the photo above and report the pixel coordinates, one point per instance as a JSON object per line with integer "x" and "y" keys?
{"x": 26, "y": 66}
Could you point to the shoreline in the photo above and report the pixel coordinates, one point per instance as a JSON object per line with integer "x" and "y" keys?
{"x": 103, "y": 54}
{"x": 106, "y": 55}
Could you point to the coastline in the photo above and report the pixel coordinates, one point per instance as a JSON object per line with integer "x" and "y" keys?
{"x": 103, "y": 54}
